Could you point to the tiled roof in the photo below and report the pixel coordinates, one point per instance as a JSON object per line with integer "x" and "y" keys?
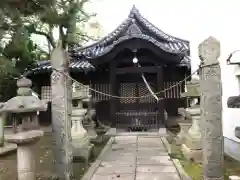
{"x": 45, "y": 66}
{"x": 134, "y": 27}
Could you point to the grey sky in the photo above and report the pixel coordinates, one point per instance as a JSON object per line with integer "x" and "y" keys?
{"x": 189, "y": 19}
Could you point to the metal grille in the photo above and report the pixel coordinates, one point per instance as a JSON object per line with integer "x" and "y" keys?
{"x": 128, "y": 89}
{"x": 133, "y": 120}
{"x": 143, "y": 91}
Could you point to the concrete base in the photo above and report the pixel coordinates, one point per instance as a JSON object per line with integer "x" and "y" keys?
{"x": 7, "y": 147}
{"x": 193, "y": 155}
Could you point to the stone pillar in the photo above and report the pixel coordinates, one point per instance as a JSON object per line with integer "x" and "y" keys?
{"x": 1, "y": 130}
{"x": 61, "y": 114}
{"x": 2, "y": 124}
{"x": 211, "y": 110}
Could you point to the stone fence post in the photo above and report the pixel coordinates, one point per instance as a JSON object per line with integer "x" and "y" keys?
{"x": 211, "y": 110}
{"x": 61, "y": 115}
{"x": 2, "y": 122}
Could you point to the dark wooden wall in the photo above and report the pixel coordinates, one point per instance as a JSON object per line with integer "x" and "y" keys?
{"x": 101, "y": 80}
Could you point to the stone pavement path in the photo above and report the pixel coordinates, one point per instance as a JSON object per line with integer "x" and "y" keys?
{"x": 136, "y": 158}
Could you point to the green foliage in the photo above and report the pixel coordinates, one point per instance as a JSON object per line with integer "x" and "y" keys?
{"x": 7, "y": 81}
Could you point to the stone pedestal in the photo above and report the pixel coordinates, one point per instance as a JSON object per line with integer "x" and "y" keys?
{"x": 80, "y": 140}
{"x": 25, "y": 157}
{"x": 192, "y": 148}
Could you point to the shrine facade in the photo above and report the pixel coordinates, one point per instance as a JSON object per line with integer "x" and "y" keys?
{"x": 123, "y": 64}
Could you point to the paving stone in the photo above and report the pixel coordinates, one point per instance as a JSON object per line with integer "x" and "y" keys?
{"x": 115, "y": 169}
{"x": 123, "y": 146}
{"x": 114, "y": 177}
{"x": 132, "y": 158}
{"x": 155, "y": 160}
{"x": 150, "y": 142}
{"x": 149, "y": 139}
{"x": 124, "y": 149}
{"x": 157, "y": 176}
{"x": 156, "y": 169}
{"x": 150, "y": 145}
{"x": 163, "y": 149}
{"x": 122, "y": 163}
{"x": 147, "y": 153}
{"x": 125, "y": 139}
{"x": 118, "y": 158}
{"x": 126, "y": 161}
{"x": 122, "y": 153}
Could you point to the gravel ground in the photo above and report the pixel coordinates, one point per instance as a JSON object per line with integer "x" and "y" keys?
{"x": 43, "y": 155}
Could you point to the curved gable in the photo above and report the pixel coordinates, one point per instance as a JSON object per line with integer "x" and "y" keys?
{"x": 135, "y": 26}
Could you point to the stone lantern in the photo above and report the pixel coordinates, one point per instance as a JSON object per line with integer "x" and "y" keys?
{"x": 192, "y": 147}
{"x": 24, "y": 108}
{"x": 82, "y": 147}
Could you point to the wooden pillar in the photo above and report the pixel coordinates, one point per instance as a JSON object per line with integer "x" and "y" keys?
{"x": 113, "y": 90}
{"x": 160, "y": 87}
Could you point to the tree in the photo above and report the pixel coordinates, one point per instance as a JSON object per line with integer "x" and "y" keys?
{"x": 22, "y": 19}
{"x": 17, "y": 50}
{"x": 68, "y": 17}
